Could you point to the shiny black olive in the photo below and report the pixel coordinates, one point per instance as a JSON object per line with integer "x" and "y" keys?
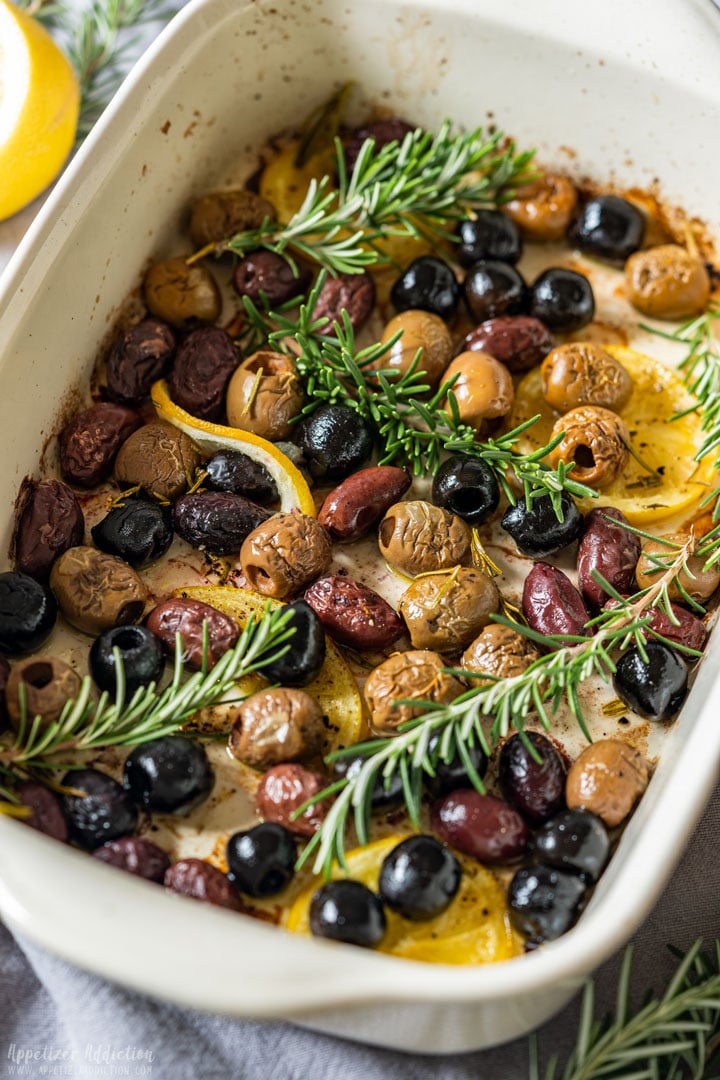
{"x": 261, "y": 860}
{"x": 348, "y": 911}
{"x": 608, "y": 227}
{"x": 335, "y": 441}
{"x": 103, "y": 812}
{"x": 231, "y": 470}
{"x": 494, "y": 288}
{"x": 467, "y": 487}
{"x": 428, "y": 284}
{"x": 383, "y": 796}
{"x": 419, "y": 878}
{"x": 562, "y": 299}
{"x": 453, "y": 774}
{"x": 488, "y": 235}
{"x": 544, "y": 902}
{"x": 536, "y": 530}
{"x": 655, "y": 688}
{"x": 306, "y": 653}
{"x": 27, "y": 613}
{"x": 576, "y": 841}
{"x": 142, "y": 656}
{"x": 167, "y": 774}
{"x": 139, "y": 531}
{"x": 535, "y": 788}
{"x": 216, "y": 521}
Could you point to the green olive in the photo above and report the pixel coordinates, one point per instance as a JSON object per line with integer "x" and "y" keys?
{"x": 264, "y": 395}
{"x": 483, "y": 389}
{"x": 180, "y": 293}
{"x": 667, "y": 282}
{"x": 580, "y": 373}
{"x": 216, "y": 216}
{"x": 420, "y": 330}
{"x": 543, "y": 208}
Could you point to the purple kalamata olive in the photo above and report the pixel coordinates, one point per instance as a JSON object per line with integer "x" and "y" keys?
{"x": 137, "y": 856}
{"x": 609, "y": 549}
{"x": 535, "y": 788}
{"x": 183, "y": 616}
{"x": 203, "y": 367}
{"x": 202, "y": 881}
{"x": 137, "y": 358}
{"x": 551, "y": 603}
{"x": 89, "y": 443}
{"x": 50, "y": 522}
{"x": 480, "y": 825}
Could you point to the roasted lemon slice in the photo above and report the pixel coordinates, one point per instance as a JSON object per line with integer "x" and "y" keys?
{"x": 335, "y": 688}
{"x": 669, "y": 481}
{"x": 474, "y": 929}
{"x": 285, "y": 184}
{"x": 292, "y": 486}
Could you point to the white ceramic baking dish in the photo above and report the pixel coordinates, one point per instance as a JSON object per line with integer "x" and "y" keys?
{"x": 633, "y": 90}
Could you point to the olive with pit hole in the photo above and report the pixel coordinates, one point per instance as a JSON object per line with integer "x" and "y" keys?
{"x": 47, "y": 685}
{"x": 284, "y": 789}
{"x": 483, "y": 388}
{"x": 595, "y": 441}
{"x": 180, "y": 293}
{"x": 517, "y": 341}
{"x": 608, "y": 778}
{"x": 89, "y": 442}
{"x": 264, "y": 395}
{"x": 551, "y": 603}
{"x": 445, "y": 612}
{"x": 532, "y": 773}
{"x": 483, "y": 826}
{"x": 543, "y": 208}
{"x": 499, "y": 651}
{"x": 158, "y": 458}
{"x": 467, "y": 487}
{"x": 50, "y": 522}
{"x": 358, "y": 503}
{"x": 96, "y": 591}
{"x": 188, "y": 618}
{"x": 219, "y": 214}
{"x": 420, "y": 330}
{"x": 353, "y": 614}
{"x": 610, "y": 550}
{"x": 137, "y": 358}
{"x": 667, "y": 282}
{"x": 350, "y": 294}
{"x": 203, "y": 367}
{"x": 216, "y": 521}
{"x": 284, "y": 554}
{"x": 418, "y": 538}
{"x": 416, "y": 674}
{"x": 141, "y": 655}
{"x": 580, "y": 373}
{"x": 695, "y": 580}
{"x": 275, "y": 726}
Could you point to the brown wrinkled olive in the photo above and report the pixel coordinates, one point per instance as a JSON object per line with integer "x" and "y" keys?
{"x": 517, "y": 341}
{"x": 265, "y": 273}
{"x": 420, "y": 330}
{"x": 483, "y": 388}
{"x": 88, "y": 444}
{"x": 264, "y": 395}
{"x": 136, "y": 855}
{"x": 283, "y": 789}
{"x": 596, "y": 440}
{"x": 48, "y": 684}
{"x": 160, "y": 459}
{"x": 216, "y": 521}
{"x": 499, "y": 651}
{"x": 180, "y": 293}
{"x": 274, "y": 726}
{"x": 418, "y": 538}
{"x": 358, "y": 503}
{"x": 285, "y": 554}
{"x": 580, "y": 373}
{"x": 699, "y": 583}
{"x": 611, "y": 550}
{"x": 607, "y": 779}
{"x": 353, "y": 293}
{"x": 50, "y": 522}
{"x": 543, "y": 209}
{"x": 551, "y": 603}
{"x": 204, "y": 365}
{"x": 219, "y": 214}
{"x": 415, "y": 674}
{"x": 46, "y": 814}
{"x": 183, "y": 616}
{"x": 684, "y": 628}
{"x": 353, "y": 614}
{"x": 667, "y": 282}
{"x": 136, "y": 359}
{"x": 445, "y": 612}
{"x": 202, "y": 881}
{"x": 96, "y": 591}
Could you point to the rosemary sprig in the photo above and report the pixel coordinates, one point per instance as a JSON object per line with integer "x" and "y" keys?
{"x": 669, "y": 1038}
{"x": 414, "y": 188}
{"x": 85, "y": 724}
{"x": 505, "y": 703}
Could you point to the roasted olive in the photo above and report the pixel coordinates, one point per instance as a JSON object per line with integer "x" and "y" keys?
{"x": 136, "y": 359}
{"x": 482, "y": 388}
{"x": 480, "y": 825}
{"x": 467, "y": 487}
{"x": 264, "y": 395}
{"x": 347, "y": 294}
{"x": 389, "y": 129}
{"x": 499, "y": 651}
{"x": 138, "y": 530}
{"x": 305, "y": 649}
{"x": 415, "y": 674}
{"x": 200, "y": 880}
{"x": 581, "y": 373}
{"x": 596, "y": 440}
{"x": 216, "y": 521}
{"x": 104, "y": 810}
{"x": 353, "y": 614}
{"x": 160, "y": 459}
{"x": 518, "y": 341}
{"x": 488, "y": 234}
{"x": 455, "y": 772}
{"x": 544, "y": 902}
{"x": 447, "y": 611}
{"x": 89, "y": 442}
{"x": 285, "y": 554}
{"x": 563, "y": 299}
{"x": 335, "y": 442}
{"x": 231, "y": 470}
{"x": 266, "y": 274}
{"x": 27, "y": 613}
{"x": 551, "y": 603}
{"x": 180, "y": 293}
{"x": 203, "y": 368}
{"x": 608, "y": 778}
{"x": 198, "y": 625}
{"x": 273, "y": 726}
{"x": 418, "y": 538}
{"x": 420, "y": 330}
{"x": 428, "y": 284}
{"x": 608, "y": 227}
{"x": 695, "y": 580}
{"x": 537, "y": 530}
{"x": 219, "y": 214}
{"x": 573, "y": 840}
{"x": 45, "y": 810}
{"x": 168, "y": 774}
{"x": 348, "y": 911}
{"x": 286, "y": 788}
{"x": 655, "y": 687}
{"x": 261, "y": 860}
{"x": 609, "y": 549}
{"x": 532, "y": 776}
{"x": 542, "y": 209}
{"x": 96, "y": 591}
{"x": 136, "y": 855}
{"x": 357, "y": 503}
{"x": 667, "y": 282}
{"x": 47, "y": 685}
{"x": 419, "y": 878}
{"x": 141, "y": 653}
{"x": 50, "y": 522}
{"x": 494, "y": 288}
{"x": 385, "y": 792}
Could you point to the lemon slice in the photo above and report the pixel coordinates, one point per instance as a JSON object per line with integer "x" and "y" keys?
{"x": 285, "y": 184}
{"x": 679, "y": 482}
{"x": 39, "y": 106}
{"x": 292, "y": 486}
{"x": 334, "y": 689}
{"x": 474, "y": 929}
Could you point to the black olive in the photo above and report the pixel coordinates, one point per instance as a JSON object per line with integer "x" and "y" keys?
{"x": 453, "y": 774}
{"x": 467, "y": 487}
{"x": 103, "y": 812}
{"x": 494, "y": 288}
{"x": 261, "y": 860}
{"x": 576, "y": 841}
{"x": 562, "y": 299}
{"x": 544, "y": 902}
{"x": 383, "y": 795}
{"x": 488, "y": 235}
{"x": 216, "y": 521}
{"x": 347, "y": 911}
{"x": 419, "y": 878}
{"x": 265, "y": 273}
{"x": 428, "y": 284}
{"x": 27, "y": 613}
{"x": 335, "y": 440}
{"x": 306, "y": 653}
{"x": 142, "y": 655}
{"x": 536, "y": 530}
{"x": 655, "y": 688}
{"x": 609, "y": 228}
{"x": 167, "y": 774}
{"x": 231, "y": 470}
{"x": 535, "y": 788}
{"x": 139, "y": 531}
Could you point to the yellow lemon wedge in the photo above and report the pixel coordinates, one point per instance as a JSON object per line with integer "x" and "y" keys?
{"x": 670, "y": 481}
{"x": 39, "y": 107}
{"x": 334, "y": 689}
{"x": 292, "y": 485}
{"x": 474, "y": 929}
{"x": 285, "y": 184}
